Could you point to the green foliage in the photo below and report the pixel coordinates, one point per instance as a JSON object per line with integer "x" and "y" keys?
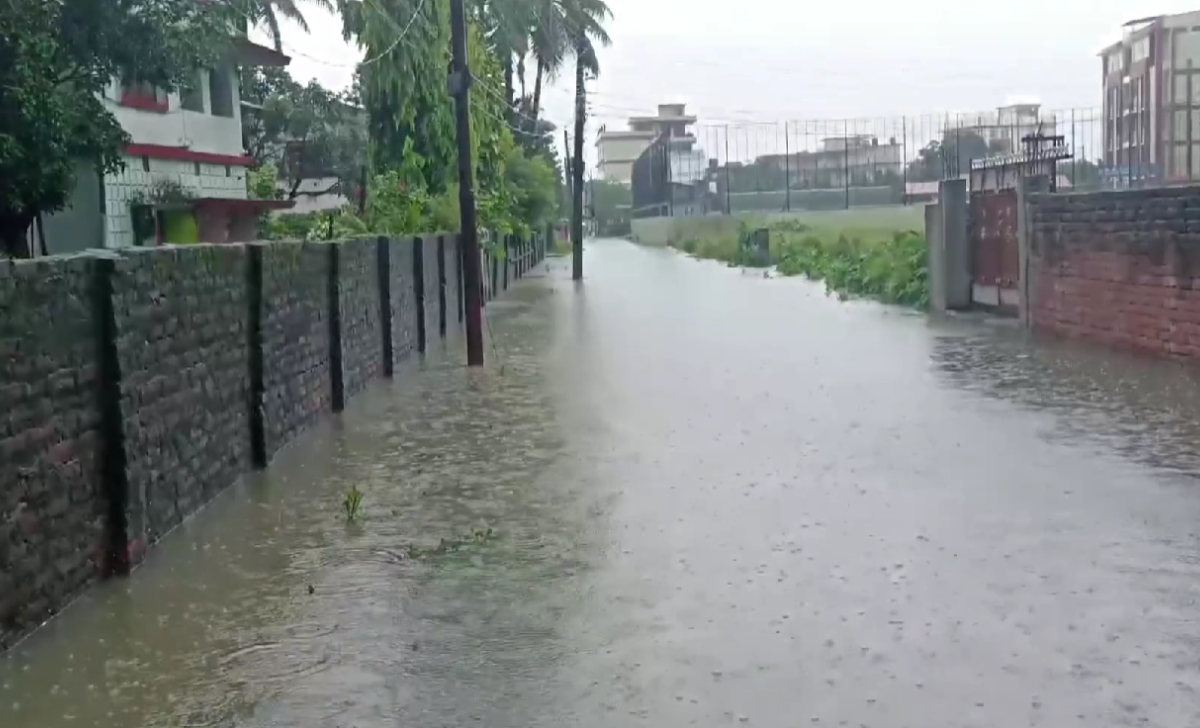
{"x": 57, "y": 60}
{"x": 889, "y": 267}
{"x": 404, "y": 87}
{"x": 305, "y": 131}
{"x": 266, "y": 13}
{"x": 611, "y": 205}
{"x": 261, "y": 183}
{"x": 892, "y": 271}
{"x": 535, "y": 184}
{"x": 352, "y": 502}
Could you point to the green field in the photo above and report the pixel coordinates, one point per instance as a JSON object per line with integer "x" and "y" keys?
{"x": 861, "y": 221}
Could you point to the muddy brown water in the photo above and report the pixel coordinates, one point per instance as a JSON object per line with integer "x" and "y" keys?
{"x": 715, "y": 500}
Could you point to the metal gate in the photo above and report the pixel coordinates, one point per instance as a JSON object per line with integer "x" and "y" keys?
{"x": 995, "y": 251}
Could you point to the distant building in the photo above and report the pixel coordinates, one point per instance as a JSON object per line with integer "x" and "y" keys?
{"x": 1004, "y": 128}
{"x": 617, "y": 150}
{"x": 1151, "y": 84}
{"x": 855, "y": 160}
{"x": 185, "y": 166}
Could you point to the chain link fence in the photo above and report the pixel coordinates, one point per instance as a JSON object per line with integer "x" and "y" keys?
{"x": 784, "y": 166}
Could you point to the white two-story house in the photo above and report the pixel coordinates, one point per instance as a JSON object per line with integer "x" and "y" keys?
{"x": 185, "y": 167}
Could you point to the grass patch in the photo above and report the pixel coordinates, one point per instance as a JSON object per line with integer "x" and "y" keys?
{"x": 868, "y": 260}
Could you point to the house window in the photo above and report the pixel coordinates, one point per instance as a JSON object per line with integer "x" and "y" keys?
{"x": 196, "y": 168}
{"x": 144, "y": 96}
{"x": 220, "y": 91}
{"x": 1140, "y": 50}
{"x": 145, "y": 164}
{"x": 192, "y": 95}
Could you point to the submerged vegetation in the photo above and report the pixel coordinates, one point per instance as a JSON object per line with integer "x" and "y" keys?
{"x": 891, "y": 267}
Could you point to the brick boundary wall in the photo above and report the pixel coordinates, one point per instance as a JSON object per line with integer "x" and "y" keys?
{"x": 294, "y": 311}
{"x": 362, "y": 337}
{"x": 136, "y": 385}
{"x": 181, "y": 321}
{"x": 1118, "y": 268}
{"x": 53, "y": 522}
{"x": 431, "y": 292}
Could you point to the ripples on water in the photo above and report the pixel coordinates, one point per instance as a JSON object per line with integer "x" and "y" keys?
{"x": 773, "y": 547}
{"x": 220, "y": 628}
{"x": 1146, "y": 409}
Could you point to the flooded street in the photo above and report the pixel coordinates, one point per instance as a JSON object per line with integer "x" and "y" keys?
{"x": 714, "y": 499}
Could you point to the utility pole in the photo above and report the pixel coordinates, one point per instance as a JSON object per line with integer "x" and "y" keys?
{"x": 577, "y": 190}
{"x": 460, "y": 85}
{"x": 568, "y": 170}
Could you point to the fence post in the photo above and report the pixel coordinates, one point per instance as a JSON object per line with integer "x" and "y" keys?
{"x": 254, "y": 341}
{"x": 335, "y": 330}
{"x": 113, "y": 468}
{"x": 383, "y": 257}
{"x": 441, "y": 269}
{"x": 787, "y": 169}
{"x": 953, "y": 201}
{"x": 418, "y": 258}
{"x": 458, "y": 278}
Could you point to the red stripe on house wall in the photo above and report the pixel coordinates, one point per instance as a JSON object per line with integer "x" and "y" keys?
{"x": 183, "y": 154}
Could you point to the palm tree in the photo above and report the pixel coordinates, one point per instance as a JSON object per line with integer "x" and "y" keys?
{"x": 506, "y": 24}
{"x": 584, "y": 28}
{"x": 548, "y": 43}
{"x": 268, "y": 13}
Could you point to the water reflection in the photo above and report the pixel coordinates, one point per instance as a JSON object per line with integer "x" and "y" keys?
{"x": 1146, "y": 409}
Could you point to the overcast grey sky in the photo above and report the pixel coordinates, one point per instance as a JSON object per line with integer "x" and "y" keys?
{"x": 775, "y": 60}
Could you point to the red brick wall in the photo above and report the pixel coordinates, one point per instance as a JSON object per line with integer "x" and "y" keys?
{"x": 1118, "y": 268}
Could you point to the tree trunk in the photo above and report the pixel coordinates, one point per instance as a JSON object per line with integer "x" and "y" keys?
{"x": 537, "y": 90}
{"x": 13, "y": 227}
{"x": 577, "y": 174}
{"x": 521, "y": 74}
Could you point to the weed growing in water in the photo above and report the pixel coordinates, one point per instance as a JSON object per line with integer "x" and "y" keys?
{"x": 351, "y": 503}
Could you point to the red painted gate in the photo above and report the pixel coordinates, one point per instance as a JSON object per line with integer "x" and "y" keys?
{"x": 995, "y": 256}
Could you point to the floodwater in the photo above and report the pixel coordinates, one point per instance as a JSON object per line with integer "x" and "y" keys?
{"x": 714, "y": 499}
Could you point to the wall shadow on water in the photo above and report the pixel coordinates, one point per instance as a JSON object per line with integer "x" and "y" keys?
{"x": 1147, "y": 410}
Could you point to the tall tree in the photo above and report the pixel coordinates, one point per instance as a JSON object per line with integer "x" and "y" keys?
{"x": 549, "y": 44}
{"x": 304, "y": 131}
{"x": 268, "y": 12}
{"x": 585, "y": 27}
{"x": 57, "y": 59}
{"x": 403, "y": 84}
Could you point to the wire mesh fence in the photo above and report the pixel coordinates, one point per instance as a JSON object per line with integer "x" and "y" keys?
{"x": 836, "y": 164}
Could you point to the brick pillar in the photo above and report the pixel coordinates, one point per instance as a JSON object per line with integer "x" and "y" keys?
{"x": 1027, "y": 187}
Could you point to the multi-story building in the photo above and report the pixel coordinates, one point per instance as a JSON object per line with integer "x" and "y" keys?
{"x": 185, "y": 166}
{"x": 854, "y": 160}
{"x": 618, "y": 150}
{"x": 1151, "y": 83}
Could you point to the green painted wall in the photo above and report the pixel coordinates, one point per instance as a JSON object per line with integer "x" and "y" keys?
{"x": 180, "y": 228}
